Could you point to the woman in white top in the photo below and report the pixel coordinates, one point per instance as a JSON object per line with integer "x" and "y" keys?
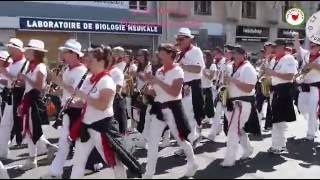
{"x": 97, "y": 124}
{"x": 32, "y": 109}
{"x": 168, "y": 110}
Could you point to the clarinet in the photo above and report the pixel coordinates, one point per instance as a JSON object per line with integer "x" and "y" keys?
{"x": 59, "y": 120}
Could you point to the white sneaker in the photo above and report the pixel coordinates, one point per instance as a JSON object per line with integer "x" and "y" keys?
{"x": 227, "y": 163}
{"x": 191, "y": 170}
{"x": 51, "y": 151}
{"x": 212, "y": 136}
{"x": 49, "y": 176}
{"x": 29, "y": 165}
{"x": 165, "y": 143}
{"x": 247, "y": 153}
{"x": 179, "y": 152}
{"x": 146, "y": 176}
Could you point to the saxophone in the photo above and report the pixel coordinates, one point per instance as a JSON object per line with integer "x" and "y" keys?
{"x": 129, "y": 83}
{"x": 223, "y": 90}
{"x": 265, "y": 81}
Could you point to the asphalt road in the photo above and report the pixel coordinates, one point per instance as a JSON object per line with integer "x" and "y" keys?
{"x": 302, "y": 161}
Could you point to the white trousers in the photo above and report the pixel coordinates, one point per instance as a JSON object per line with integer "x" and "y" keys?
{"x": 129, "y": 107}
{"x": 188, "y": 108}
{"x": 147, "y": 123}
{"x": 278, "y": 135}
{"x": 3, "y": 172}
{"x": 83, "y": 151}
{"x": 217, "y": 121}
{"x": 5, "y": 130}
{"x": 156, "y": 130}
{"x": 308, "y": 106}
{"x": 56, "y": 168}
{"x": 236, "y": 121}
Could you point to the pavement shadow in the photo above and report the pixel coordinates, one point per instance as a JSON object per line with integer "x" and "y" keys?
{"x": 53, "y": 140}
{"x": 305, "y": 151}
{"x": 263, "y": 161}
{"x": 208, "y": 146}
{"x": 261, "y": 137}
{"x": 15, "y": 172}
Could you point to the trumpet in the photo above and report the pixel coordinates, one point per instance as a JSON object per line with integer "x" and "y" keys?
{"x": 51, "y": 85}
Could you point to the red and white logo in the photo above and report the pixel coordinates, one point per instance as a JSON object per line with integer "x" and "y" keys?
{"x": 295, "y": 16}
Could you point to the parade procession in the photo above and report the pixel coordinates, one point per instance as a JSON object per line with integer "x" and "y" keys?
{"x": 117, "y": 100}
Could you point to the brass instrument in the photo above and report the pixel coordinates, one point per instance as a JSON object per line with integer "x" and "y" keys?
{"x": 265, "y": 81}
{"x": 129, "y": 83}
{"x": 223, "y": 90}
{"x": 301, "y": 74}
{"x": 51, "y": 86}
{"x": 142, "y": 94}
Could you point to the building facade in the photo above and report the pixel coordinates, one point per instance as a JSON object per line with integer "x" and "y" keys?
{"x": 249, "y": 23}
{"x": 129, "y": 24}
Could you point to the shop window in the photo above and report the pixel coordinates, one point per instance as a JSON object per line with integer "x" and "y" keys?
{"x": 138, "y": 5}
{"x": 202, "y": 7}
{"x": 249, "y": 9}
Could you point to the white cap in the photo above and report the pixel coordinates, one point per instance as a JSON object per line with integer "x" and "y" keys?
{"x": 72, "y": 45}
{"x": 16, "y": 43}
{"x": 4, "y": 55}
{"x": 118, "y": 51}
{"x": 184, "y": 32}
{"x": 36, "y": 44}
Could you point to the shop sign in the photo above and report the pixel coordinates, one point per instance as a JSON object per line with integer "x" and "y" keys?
{"x": 252, "y": 34}
{"x": 69, "y": 25}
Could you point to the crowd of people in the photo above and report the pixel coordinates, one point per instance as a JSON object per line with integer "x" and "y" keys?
{"x": 106, "y": 102}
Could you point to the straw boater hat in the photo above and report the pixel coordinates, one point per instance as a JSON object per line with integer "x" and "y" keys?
{"x": 72, "y": 45}
{"x": 15, "y": 43}
{"x": 118, "y": 51}
{"x": 37, "y": 45}
{"x": 4, "y": 56}
{"x": 184, "y": 32}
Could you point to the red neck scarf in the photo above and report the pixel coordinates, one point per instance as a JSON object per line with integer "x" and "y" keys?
{"x": 20, "y": 58}
{"x": 279, "y": 57}
{"x": 33, "y": 65}
{"x": 235, "y": 68}
{"x": 77, "y": 65}
{"x": 218, "y": 60}
{"x": 183, "y": 53}
{"x": 95, "y": 78}
{"x": 165, "y": 69}
{"x": 312, "y": 58}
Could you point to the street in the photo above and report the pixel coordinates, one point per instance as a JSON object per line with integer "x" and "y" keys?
{"x": 302, "y": 161}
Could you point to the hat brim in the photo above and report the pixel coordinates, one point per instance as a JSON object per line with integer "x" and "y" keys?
{"x": 36, "y": 49}
{"x": 66, "y": 48}
{"x": 186, "y": 35}
{"x": 10, "y": 45}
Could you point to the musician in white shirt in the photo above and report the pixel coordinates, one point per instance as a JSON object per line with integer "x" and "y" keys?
{"x": 241, "y": 91}
{"x": 308, "y": 102}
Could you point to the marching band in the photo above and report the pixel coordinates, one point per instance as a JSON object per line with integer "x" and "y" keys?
{"x": 95, "y": 92}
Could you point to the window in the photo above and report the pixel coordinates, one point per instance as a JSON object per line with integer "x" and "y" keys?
{"x": 249, "y": 9}
{"x": 202, "y": 7}
{"x": 285, "y": 8}
{"x": 318, "y": 7}
{"x": 138, "y": 5}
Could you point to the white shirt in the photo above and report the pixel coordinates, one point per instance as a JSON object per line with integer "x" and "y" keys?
{"x": 168, "y": 78}
{"x": 193, "y": 57}
{"x": 314, "y": 75}
{"x": 117, "y": 76}
{"x": 15, "y": 68}
{"x": 140, "y": 82}
{"x": 42, "y": 68}
{"x": 92, "y": 114}
{"x": 205, "y": 82}
{"x": 287, "y": 64}
{"x": 121, "y": 65}
{"x": 246, "y": 74}
{"x": 72, "y": 77}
